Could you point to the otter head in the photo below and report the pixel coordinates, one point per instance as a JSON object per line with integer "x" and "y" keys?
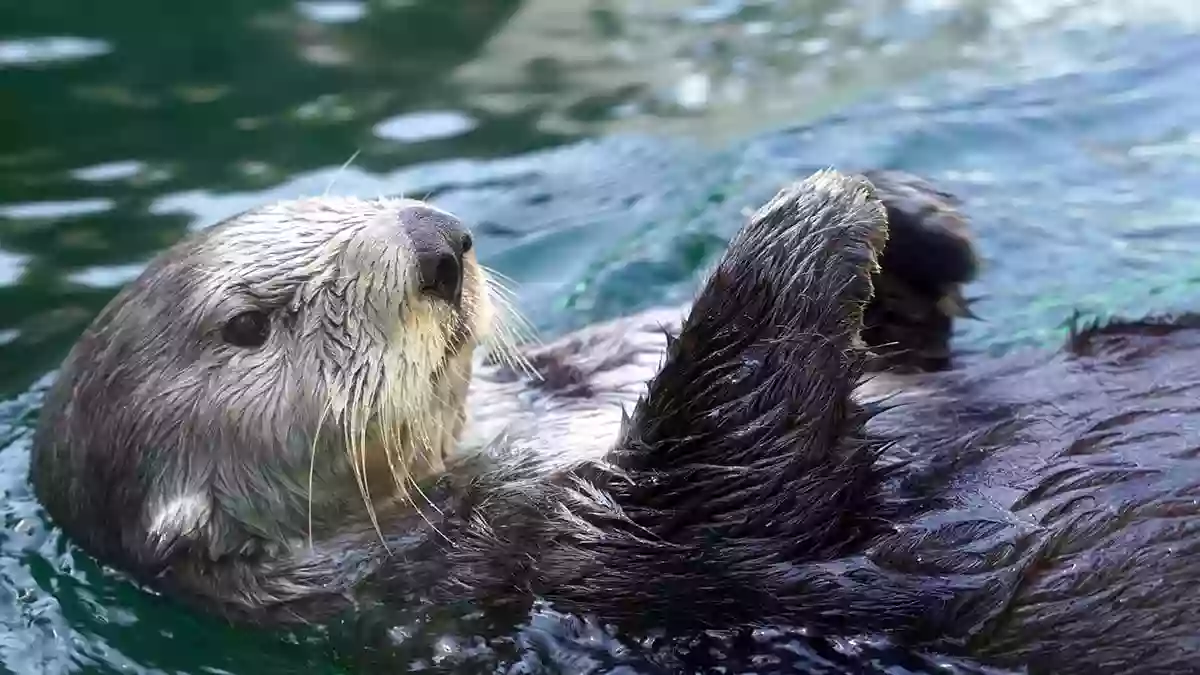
{"x": 262, "y": 377}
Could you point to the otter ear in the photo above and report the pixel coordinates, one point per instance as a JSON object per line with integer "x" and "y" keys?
{"x": 747, "y": 424}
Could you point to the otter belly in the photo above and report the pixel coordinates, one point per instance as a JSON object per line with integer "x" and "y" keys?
{"x": 584, "y": 382}
{"x": 1062, "y": 490}
{"x": 580, "y": 386}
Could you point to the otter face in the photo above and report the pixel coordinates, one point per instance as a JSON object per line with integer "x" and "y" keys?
{"x": 264, "y": 376}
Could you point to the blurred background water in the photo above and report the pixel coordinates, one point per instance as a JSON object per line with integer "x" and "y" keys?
{"x": 604, "y": 150}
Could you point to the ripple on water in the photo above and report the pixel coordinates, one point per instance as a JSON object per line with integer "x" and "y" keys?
{"x": 12, "y": 266}
{"x": 429, "y": 125}
{"x": 332, "y": 11}
{"x": 55, "y": 209}
{"x": 107, "y": 276}
{"x": 44, "y": 51}
{"x": 109, "y": 171}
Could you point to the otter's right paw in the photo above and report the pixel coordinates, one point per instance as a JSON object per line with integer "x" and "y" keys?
{"x": 928, "y": 259}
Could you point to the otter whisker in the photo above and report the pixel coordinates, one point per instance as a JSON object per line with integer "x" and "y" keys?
{"x": 499, "y": 347}
{"x": 392, "y": 439}
{"x": 510, "y": 317}
{"x": 501, "y": 290}
{"x": 433, "y": 526}
{"x": 497, "y": 274}
{"x": 356, "y": 447}
{"x": 510, "y": 329}
{"x": 312, "y": 465}
{"x": 508, "y": 354}
{"x": 426, "y": 440}
{"x": 516, "y": 330}
{"x": 406, "y": 444}
{"x": 510, "y": 357}
{"x": 506, "y": 299}
{"x": 499, "y": 281}
{"x": 401, "y": 473}
{"x": 338, "y": 173}
{"x": 393, "y": 442}
{"x": 514, "y": 323}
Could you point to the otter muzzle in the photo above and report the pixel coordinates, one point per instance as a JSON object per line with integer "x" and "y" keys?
{"x": 439, "y": 242}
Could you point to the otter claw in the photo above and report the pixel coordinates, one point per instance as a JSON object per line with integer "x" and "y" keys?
{"x": 955, "y": 306}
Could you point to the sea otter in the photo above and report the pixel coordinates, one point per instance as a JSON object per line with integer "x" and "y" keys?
{"x": 284, "y": 419}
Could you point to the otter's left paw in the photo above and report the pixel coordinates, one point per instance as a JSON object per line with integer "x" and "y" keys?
{"x": 918, "y": 292}
{"x": 763, "y": 370}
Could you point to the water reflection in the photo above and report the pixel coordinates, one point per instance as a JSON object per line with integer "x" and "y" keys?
{"x": 150, "y": 100}
{"x": 720, "y": 69}
{"x": 425, "y": 126}
{"x": 145, "y": 101}
{"x": 48, "y": 50}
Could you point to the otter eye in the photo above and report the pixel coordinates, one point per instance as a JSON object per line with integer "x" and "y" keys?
{"x": 466, "y": 242}
{"x": 248, "y": 329}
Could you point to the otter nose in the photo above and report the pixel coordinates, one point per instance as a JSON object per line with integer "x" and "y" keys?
{"x": 439, "y": 241}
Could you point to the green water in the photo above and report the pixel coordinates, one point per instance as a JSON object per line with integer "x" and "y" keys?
{"x": 604, "y": 152}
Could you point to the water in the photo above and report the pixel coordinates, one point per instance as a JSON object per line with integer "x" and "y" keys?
{"x": 605, "y": 152}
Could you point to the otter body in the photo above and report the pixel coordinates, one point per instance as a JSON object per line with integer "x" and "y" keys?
{"x": 284, "y": 420}
{"x": 1046, "y": 504}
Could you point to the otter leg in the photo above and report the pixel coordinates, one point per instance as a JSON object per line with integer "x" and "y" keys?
{"x": 918, "y": 292}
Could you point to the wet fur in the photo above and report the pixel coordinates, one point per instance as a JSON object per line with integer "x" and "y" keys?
{"x": 794, "y": 448}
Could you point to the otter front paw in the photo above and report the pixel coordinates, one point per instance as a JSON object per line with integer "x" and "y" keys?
{"x": 918, "y": 292}
{"x": 770, "y": 353}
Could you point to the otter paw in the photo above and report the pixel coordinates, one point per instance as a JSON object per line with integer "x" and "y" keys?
{"x": 928, "y": 259}
{"x": 929, "y": 244}
{"x": 777, "y": 326}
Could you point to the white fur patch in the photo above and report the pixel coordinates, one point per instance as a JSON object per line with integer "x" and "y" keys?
{"x": 181, "y": 515}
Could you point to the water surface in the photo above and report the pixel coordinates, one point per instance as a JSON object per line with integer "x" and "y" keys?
{"x": 604, "y": 151}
